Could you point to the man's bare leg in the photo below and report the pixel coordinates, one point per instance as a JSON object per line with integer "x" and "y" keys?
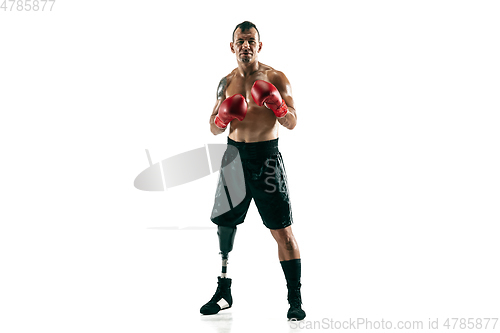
{"x": 288, "y": 248}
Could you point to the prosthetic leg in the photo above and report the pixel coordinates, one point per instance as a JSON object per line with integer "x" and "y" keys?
{"x": 222, "y": 298}
{"x": 226, "y": 240}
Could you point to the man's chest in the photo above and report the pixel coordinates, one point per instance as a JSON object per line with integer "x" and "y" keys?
{"x": 243, "y": 86}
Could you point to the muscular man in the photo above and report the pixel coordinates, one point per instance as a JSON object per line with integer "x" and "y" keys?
{"x": 253, "y": 101}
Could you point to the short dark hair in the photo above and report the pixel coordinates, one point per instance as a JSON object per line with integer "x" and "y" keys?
{"x": 246, "y": 25}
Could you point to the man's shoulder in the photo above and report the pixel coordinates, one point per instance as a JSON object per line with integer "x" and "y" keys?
{"x": 227, "y": 79}
{"x": 277, "y": 77}
{"x": 231, "y": 74}
{"x": 272, "y": 73}
{"x": 221, "y": 88}
{"x": 276, "y": 74}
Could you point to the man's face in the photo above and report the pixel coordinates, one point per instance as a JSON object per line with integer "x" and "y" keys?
{"x": 246, "y": 45}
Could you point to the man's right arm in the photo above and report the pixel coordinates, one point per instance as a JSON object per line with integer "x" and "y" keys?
{"x": 221, "y": 96}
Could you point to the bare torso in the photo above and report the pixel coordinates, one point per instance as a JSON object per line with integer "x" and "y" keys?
{"x": 260, "y": 123}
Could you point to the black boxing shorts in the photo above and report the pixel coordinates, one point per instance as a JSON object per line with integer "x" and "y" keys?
{"x": 253, "y": 170}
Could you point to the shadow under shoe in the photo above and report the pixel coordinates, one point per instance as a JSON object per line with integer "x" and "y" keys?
{"x": 221, "y": 300}
{"x": 295, "y": 301}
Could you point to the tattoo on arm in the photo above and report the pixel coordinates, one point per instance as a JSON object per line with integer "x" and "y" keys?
{"x": 221, "y": 88}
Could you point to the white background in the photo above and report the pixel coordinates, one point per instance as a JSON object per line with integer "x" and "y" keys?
{"x": 393, "y": 165}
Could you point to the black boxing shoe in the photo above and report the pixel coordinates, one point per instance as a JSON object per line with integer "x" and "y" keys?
{"x": 221, "y": 300}
{"x": 295, "y": 300}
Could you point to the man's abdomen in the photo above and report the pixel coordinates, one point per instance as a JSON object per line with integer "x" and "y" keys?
{"x": 260, "y": 124}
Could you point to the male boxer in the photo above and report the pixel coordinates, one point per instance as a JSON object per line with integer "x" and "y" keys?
{"x": 253, "y": 100}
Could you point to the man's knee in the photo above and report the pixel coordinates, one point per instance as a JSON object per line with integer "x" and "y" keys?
{"x": 288, "y": 241}
{"x": 285, "y": 239}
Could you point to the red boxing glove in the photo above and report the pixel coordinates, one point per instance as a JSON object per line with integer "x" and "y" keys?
{"x": 232, "y": 107}
{"x": 264, "y": 93}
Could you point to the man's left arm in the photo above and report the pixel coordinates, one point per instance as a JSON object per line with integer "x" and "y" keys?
{"x": 280, "y": 81}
